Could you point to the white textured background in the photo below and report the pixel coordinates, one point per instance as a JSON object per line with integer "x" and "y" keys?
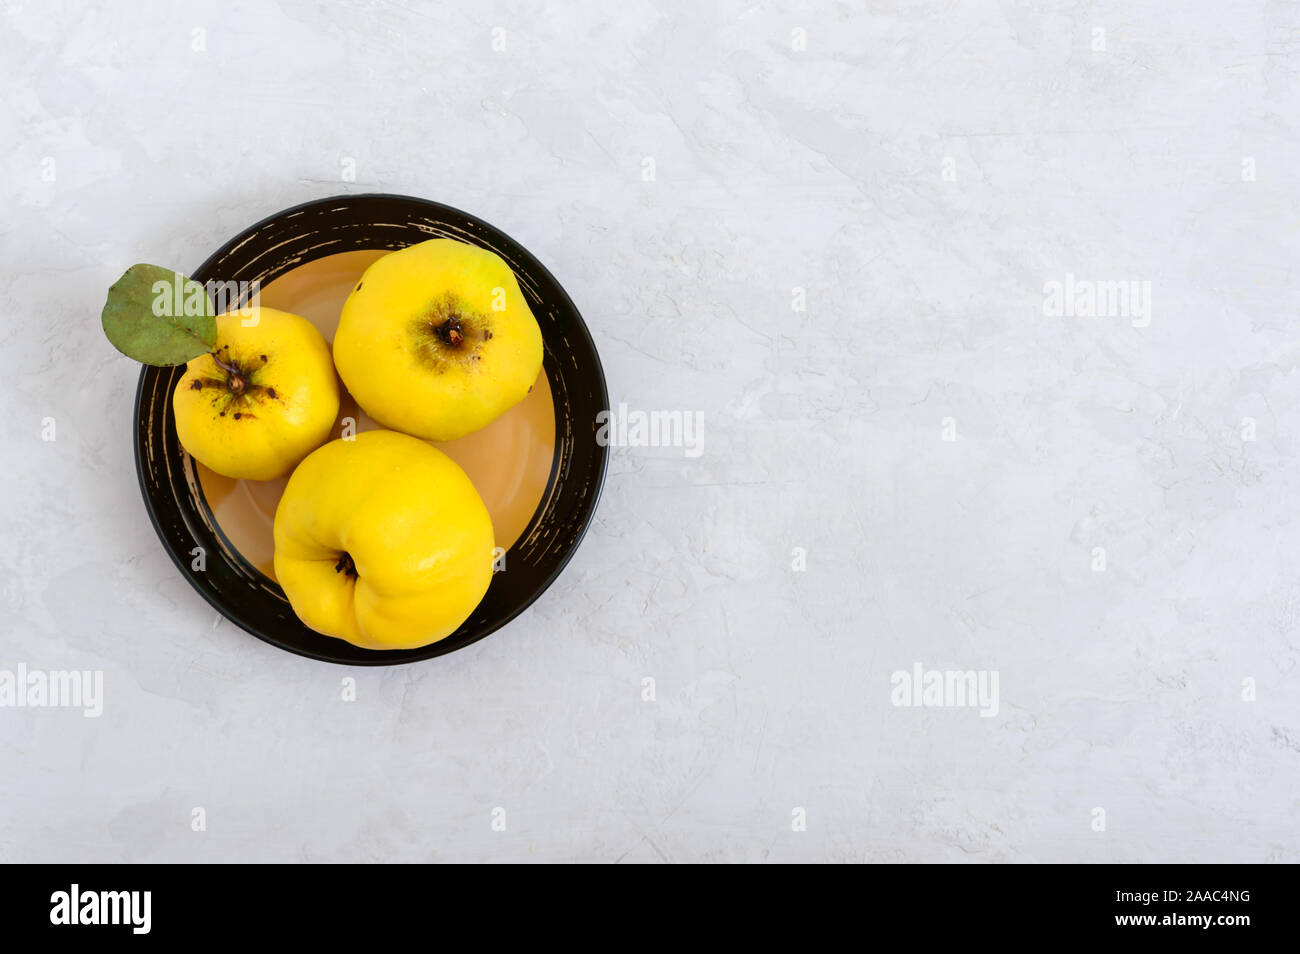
{"x": 776, "y": 169}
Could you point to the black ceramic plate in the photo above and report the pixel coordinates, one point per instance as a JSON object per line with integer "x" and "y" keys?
{"x": 246, "y": 597}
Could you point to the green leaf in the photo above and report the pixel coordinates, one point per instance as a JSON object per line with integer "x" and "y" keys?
{"x": 158, "y": 316}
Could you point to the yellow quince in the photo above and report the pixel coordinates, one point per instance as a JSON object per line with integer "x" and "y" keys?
{"x": 261, "y": 400}
{"x": 437, "y": 340}
{"x": 381, "y": 540}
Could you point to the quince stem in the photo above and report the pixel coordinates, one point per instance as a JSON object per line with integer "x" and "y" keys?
{"x": 237, "y": 382}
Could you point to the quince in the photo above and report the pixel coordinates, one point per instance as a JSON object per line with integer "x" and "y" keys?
{"x": 381, "y": 540}
{"x": 437, "y": 340}
{"x": 264, "y": 398}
